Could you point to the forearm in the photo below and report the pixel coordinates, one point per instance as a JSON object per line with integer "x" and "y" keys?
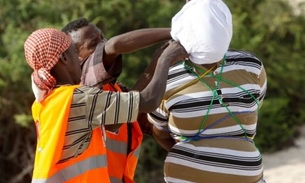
{"x": 167, "y": 144}
{"x": 137, "y": 39}
{"x": 151, "y": 95}
{"x": 146, "y": 76}
{"x": 163, "y": 138}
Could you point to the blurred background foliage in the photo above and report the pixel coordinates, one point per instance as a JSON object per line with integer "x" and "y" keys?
{"x": 273, "y": 30}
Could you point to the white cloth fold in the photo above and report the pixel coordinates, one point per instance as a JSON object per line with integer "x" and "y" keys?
{"x": 38, "y": 93}
{"x": 204, "y": 29}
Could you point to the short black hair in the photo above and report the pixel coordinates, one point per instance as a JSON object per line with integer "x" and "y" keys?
{"x": 75, "y": 25}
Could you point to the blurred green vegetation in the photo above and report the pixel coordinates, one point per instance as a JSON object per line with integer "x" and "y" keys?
{"x": 270, "y": 29}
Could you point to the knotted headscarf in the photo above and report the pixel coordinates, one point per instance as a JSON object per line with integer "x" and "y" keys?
{"x": 204, "y": 29}
{"x": 43, "y": 49}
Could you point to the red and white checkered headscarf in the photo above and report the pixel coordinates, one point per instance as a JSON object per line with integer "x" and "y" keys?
{"x": 42, "y": 52}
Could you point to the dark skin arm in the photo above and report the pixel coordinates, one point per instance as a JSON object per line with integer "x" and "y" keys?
{"x": 150, "y": 69}
{"x": 129, "y": 42}
{"x": 133, "y": 41}
{"x": 152, "y": 94}
{"x": 145, "y": 78}
{"x": 142, "y": 82}
{"x": 163, "y": 138}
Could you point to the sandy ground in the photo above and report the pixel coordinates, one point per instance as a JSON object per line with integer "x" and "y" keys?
{"x": 287, "y": 166}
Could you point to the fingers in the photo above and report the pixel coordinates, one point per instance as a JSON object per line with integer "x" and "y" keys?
{"x": 178, "y": 49}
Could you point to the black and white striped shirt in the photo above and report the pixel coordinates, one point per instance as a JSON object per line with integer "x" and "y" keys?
{"x": 214, "y": 119}
{"x": 91, "y": 108}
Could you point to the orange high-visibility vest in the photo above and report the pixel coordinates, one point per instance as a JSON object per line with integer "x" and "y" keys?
{"x": 51, "y": 117}
{"x": 123, "y": 148}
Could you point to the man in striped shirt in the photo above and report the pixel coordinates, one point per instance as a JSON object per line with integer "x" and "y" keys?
{"x": 208, "y": 116}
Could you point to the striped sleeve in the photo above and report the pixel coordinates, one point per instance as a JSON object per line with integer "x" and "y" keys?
{"x": 106, "y": 107}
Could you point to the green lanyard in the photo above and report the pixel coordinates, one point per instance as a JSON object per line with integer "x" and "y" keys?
{"x": 189, "y": 66}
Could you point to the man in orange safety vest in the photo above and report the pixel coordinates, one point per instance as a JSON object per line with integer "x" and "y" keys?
{"x": 69, "y": 117}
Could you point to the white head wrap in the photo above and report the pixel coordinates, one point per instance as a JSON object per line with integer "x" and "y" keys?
{"x": 204, "y": 29}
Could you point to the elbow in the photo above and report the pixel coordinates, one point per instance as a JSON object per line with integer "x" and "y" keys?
{"x": 148, "y": 105}
{"x": 154, "y": 105}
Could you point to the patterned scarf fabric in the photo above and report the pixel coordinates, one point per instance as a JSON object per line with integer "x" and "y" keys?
{"x": 43, "y": 49}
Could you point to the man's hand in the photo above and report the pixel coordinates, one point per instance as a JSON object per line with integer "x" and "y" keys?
{"x": 174, "y": 52}
{"x": 163, "y": 138}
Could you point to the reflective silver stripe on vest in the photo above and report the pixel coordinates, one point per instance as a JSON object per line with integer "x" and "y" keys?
{"x": 136, "y": 152}
{"x": 115, "y": 180}
{"x": 75, "y": 170}
{"x": 116, "y": 146}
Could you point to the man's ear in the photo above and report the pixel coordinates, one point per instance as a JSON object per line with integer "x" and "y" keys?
{"x": 63, "y": 59}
